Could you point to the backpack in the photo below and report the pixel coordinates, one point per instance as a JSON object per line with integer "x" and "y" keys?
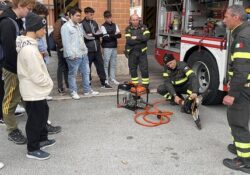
{"x": 51, "y": 42}
{"x": 2, "y": 55}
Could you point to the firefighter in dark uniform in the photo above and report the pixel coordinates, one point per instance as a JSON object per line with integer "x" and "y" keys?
{"x": 238, "y": 98}
{"x": 137, "y": 36}
{"x": 179, "y": 79}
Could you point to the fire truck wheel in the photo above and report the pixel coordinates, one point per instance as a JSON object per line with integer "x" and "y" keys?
{"x": 206, "y": 69}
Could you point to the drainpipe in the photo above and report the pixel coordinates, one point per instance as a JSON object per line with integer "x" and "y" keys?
{"x": 109, "y": 5}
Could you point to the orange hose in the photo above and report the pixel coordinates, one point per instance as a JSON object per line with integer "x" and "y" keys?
{"x": 164, "y": 116}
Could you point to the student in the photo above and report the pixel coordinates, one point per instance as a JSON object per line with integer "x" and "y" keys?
{"x": 35, "y": 86}
{"x": 10, "y": 26}
{"x": 76, "y": 53}
{"x": 111, "y": 33}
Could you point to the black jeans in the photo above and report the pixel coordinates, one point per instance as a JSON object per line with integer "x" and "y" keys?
{"x": 62, "y": 70}
{"x": 36, "y": 131}
{"x": 96, "y": 58}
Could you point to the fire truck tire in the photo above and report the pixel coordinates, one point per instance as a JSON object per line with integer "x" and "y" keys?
{"x": 206, "y": 69}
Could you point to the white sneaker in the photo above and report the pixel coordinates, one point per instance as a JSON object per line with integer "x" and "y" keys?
{"x": 49, "y": 98}
{"x": 20, "y": 109}
{"x": 1, "y": 165}
{"x": 114, "y": 81}
{"x": 75, "y": 96}
{"x": 91, "y": 92}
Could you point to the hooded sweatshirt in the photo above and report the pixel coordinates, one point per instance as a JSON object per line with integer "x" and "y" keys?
{"x": 8, "y": 38}
{"x": 34, "y": 81}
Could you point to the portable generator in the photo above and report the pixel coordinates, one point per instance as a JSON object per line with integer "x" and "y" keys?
{"x": 132, "y": 96}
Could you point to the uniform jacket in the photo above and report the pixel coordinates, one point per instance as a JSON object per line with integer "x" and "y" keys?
{"x": 240, "y": 57}
{"x": 179, "y": 76}
{"x": 140, "y": 43}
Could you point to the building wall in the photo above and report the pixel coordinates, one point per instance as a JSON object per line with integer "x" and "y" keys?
{"x": 119, "y": 8}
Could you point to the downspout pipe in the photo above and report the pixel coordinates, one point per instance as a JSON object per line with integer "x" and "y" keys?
{"x": 109, "y": 5}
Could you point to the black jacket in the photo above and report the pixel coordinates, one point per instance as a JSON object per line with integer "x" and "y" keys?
{"x": 240, "y": 57}
{"x": 179, "y": 76}
{"x": 8, "y": 39}
{"x": 109, "y": 39}
{"x": 140, "y": 43}
{"x": 91, "y": 27}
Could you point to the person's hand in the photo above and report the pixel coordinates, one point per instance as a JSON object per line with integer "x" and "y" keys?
{"x": 133, "y": 37}
{"x": 90, "y": 34}
{"x": 177, "y": 100}
{"x": 228, "y": 100}
{"x": 193, "y": 96}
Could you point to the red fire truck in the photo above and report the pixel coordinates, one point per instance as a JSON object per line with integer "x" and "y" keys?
{"x": 193, "y": 31}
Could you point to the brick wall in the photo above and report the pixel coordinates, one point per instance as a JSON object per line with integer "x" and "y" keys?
{"x": 120, "y": 11}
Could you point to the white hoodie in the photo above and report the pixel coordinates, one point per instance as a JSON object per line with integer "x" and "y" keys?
{"x": 34, "y": 81}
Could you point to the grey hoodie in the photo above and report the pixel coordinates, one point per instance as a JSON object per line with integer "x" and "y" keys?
{"x": 34, "y": 80}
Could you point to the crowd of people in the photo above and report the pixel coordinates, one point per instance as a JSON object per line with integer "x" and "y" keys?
{"x": 79, "y": 43}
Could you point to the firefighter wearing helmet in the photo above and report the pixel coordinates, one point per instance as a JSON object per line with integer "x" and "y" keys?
{"x": 137, "y": 36}
{"x": 179, "y": 79}
{"x": 238, "y": 98}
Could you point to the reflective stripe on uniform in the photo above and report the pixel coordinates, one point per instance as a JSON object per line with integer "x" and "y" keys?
{"x": 146, "y": 32}
{"x": 243, "y": 55}
{"x": 243, "y": 155}
{"x": 135, "y": 78}
{"x": 128, "y": 35}
{"x": 165, "y": 74}
{"x": 145, "y": 80}
{"x": 144, "y": 49}
{"x": 181, "y": 81}
{"x": 242, "y": 145}
{"x": 189, "y": 92}
{"x": 167, "y": 96}
{"x": 189, "y": 72}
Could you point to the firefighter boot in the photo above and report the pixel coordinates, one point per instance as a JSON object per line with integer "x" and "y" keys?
{"x": 232, "y": 149}
{"x": 237, "y": 164}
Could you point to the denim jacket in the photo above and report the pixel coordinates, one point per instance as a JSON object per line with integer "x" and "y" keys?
{"x": 73, "y": 41}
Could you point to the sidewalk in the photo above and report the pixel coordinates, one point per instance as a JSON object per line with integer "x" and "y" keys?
{"x": 155, "y": 71}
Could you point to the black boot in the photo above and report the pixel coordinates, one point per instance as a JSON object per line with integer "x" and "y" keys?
{"x": 232, "y": 149}
{"x": 237, "y": 164}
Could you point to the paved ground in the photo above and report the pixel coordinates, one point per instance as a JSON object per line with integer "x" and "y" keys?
{"x": 100, "y": 139}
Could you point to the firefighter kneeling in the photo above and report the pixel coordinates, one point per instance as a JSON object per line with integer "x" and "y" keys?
{"x": 179, "y": 79}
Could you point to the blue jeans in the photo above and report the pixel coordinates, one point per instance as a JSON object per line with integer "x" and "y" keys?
{"x": 83, "y": 65}
{"x": 109, "y": 58}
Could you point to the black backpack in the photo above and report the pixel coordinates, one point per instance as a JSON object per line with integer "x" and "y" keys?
{"x": 2, "y": 55}
{"x": 51, "y": 42}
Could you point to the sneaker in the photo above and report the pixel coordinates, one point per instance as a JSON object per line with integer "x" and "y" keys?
{"x": 47, "y": 143}
{"x": 53, "y": 129}
{"x": 17, "y": 137}
{"x": 61, "y": 91}
{"x": 19, "y": 109}
{"x": 91, "y": 93}
{"x": 232, "y": 149}
{"x": 1, "y": 122}
{"x": 1, "y": 165}
{"x": 114, "y": 81}
{"x": 38, "y": 154}
{"x": 75, "y": 96}
{"x": 49, "y": 98}
{"x": 106, "y": 86}
{"x": 237, "y": 164}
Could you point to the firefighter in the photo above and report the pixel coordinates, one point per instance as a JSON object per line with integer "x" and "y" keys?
{"x": 137, "y": 36}
{"x": 238, "y": 98}
{"x": 179, "y": 79}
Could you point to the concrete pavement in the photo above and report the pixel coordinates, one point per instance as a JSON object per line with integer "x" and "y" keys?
{"x": 99, "y": 139}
